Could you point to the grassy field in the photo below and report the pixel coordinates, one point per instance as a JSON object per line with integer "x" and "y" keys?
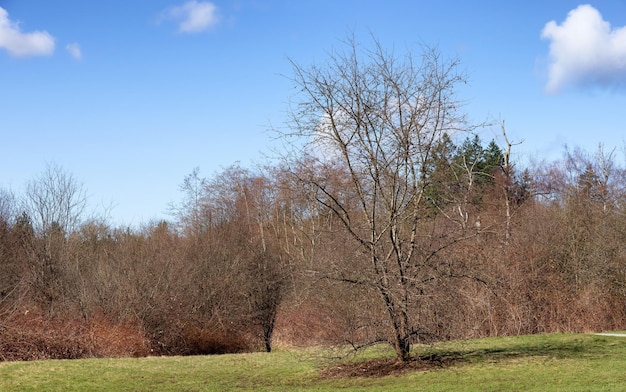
{"x": 525, "y": 363}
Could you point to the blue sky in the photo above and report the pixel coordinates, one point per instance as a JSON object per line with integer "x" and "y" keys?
{"x": 130, "y": 96}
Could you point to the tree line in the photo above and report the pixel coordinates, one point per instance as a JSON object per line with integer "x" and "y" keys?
{"x": 387, "y": 219}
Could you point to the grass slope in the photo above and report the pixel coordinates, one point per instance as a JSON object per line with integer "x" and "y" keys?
{"x": 530, "y": 363}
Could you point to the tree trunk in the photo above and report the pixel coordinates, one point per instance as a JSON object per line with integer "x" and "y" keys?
{"x": 402, "y": 342}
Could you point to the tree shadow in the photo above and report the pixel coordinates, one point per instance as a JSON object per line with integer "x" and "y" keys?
{"x": 442, "y": 359}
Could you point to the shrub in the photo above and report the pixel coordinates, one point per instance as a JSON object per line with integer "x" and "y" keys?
{"x": 28, "y": 337}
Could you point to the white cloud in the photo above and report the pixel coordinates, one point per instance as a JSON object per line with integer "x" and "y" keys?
{"x": 194, "y": 16}
{"x": 585, "y": 51}
{"x": 20, "y": 44}
{"x": 74, "y": 51}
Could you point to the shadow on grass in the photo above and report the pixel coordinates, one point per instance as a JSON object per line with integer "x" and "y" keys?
{"x": 550, "y": 348}
{"x": 562, "y": 347}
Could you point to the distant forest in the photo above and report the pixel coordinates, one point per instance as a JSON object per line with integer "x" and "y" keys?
{"x": 389, "y": 220}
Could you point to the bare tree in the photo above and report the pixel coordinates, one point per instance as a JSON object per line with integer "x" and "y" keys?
{"x": 9, "y": 271}
{"x": 55, "y": 201}
{"x": 8, "y": 206}
{"x": 190, "y": 212}
{"x": 232, "y": 220}
{"x": 369, "y": 120}
{"x": 508, "y": 186}
{"x": 55, "y": 198}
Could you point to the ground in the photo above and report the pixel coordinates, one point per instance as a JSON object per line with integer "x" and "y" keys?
{"x": 387, "y": 367}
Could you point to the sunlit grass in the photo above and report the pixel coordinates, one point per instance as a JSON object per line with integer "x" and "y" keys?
{"x": 539, "y": 363}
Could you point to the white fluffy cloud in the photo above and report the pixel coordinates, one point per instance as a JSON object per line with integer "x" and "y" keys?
{"x": 74, "y": 51}
{"x": 20, "y": 44}
{"x": 585, "y": 51}
{"x": 194, "y": 16}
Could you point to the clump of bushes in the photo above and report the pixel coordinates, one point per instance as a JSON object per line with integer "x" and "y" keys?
{"x": 28, "y": 337}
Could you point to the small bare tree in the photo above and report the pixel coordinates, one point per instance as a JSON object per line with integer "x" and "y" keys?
{"x": 8, "y": 206}
{"x": 55, "y": 198}
{"x": 370, "y": 120}
{"x": 55, "y": 201}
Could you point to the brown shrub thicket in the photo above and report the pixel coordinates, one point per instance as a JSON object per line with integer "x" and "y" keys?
{"x": 251, "y": 259}
{"x": 31, "y": 336}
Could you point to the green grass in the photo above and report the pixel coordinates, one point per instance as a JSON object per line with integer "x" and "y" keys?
{"x": 525, "y": 363}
